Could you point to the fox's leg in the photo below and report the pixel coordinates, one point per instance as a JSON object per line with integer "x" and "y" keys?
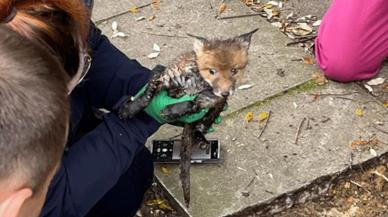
{"x": 176, "y": 92}
{"x": 202, "y": 126}
{"x": 131, "y": 108}
{"x": 206, "y": 99}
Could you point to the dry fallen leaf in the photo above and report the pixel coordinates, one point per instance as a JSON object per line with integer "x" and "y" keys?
{"x": 302, "y": 29}
{"x": 249, "y": 2}
{"x": 160, "y": 203}
{"x": 359, "y": 112}
{"x": 119, "y": 34}
{"x": 274, "y": 3}
{"x": 274, "y": 12}
{"x": 116, "y": 32}
{"x": 245, "y": 86}
{"x": 249, "y": 117}
{"x": 156, "y": 52}
{"x": 356, "y": 143}
{"x": 376, "y": 81}
{"x": 308, "y": 60}
{"x": 114, "y": 26}
{"x": 373, "y": 152}
{"x": 133, "y": 9}
{"x": 165, "y": 170}
{"x": 317, "y": 23}
{"x": 151, "y": 18}
{"x": 153, "y": 55}
{"x": 221, "y": 8}
{"x": 369, "y": 88}
{"x": 316, "y": 97}
{"x": 277, "y": 24}
{"x": 290, "y": 15}
{"x": 364, "y": 144}
{"x": 263, "y": 116}
{"x": 319, "y": 78}
{"x": 155, "y": 5}
{"x": 156, "y": 48}
{"x": 140, "y": 18}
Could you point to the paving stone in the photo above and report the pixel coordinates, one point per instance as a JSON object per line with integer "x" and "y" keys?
{"x": 103, "y": 8}
{"x": 268, "y": 52}
{"x": 313, "y": 7}
{"x": 282, "y": 166}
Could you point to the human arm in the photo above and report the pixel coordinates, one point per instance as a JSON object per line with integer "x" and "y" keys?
{"x": 94, "y": 164}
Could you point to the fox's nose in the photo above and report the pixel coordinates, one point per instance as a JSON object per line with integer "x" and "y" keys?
{"x": 225, "y": 94}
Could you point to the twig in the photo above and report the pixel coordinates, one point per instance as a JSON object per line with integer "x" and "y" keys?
{"x": 253, "y": 179}
{"x": 240, "y": 16}
{"x": 332, "y": 94}
{"x": 210, "y": 4}
{"x": 342, "y": 97}
{"x": 120, "y": 14}
{"x": 165, "y": 35}
{"x": 265, "y": 125}
{"x": 250, "y": 183}
{"x": 308, "y": 127}
{"x": 379, "y": 129}
{"x": 355, "y": 183}
{"x": 298, "y": 131}
{"x": 301, "y": 40}
{"x": 174, "y": 137}
{"x": 381, "y": 175}
{"x": 351, "y": 160}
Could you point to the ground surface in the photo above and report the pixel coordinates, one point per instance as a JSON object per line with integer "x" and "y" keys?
{"x": 316, "y": 128}
{"x": 348, "y": 199}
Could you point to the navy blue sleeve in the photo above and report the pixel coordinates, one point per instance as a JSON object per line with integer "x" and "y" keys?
{"x": 112, "y": 74}
{"x": 92, "y": 166}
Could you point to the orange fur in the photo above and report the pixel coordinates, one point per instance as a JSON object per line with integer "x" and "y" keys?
{"x": 222, "y": 59}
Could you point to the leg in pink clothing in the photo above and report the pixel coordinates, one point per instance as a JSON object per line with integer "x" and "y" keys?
{"x": 353, "y": 39}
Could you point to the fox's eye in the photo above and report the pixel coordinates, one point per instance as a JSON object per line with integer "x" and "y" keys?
{"x": 234, "y": 71}
{"x": 212, "y": 71}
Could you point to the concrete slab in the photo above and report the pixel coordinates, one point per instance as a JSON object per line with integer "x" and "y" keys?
{"x": 176, "y": 18}
{"x": 103, "y": 8}
{"x": 281, "y": 166}
{"x": 313, "y": 7}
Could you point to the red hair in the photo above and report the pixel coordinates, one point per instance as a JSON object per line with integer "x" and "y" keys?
{"x": 60, "y": 25}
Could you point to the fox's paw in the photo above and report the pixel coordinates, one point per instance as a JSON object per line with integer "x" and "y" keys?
{"x": 125, "y": 112}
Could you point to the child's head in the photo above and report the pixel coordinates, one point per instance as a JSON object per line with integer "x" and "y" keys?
{"x": 33, "y": 123}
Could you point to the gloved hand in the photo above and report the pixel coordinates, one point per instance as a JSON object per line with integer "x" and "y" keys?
{"x": 161, "y": 100}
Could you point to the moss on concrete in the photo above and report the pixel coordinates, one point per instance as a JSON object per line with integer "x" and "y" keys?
{"x": 302, "y": 88}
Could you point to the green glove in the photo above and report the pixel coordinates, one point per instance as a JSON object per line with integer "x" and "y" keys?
{"x": 161, "y": 100}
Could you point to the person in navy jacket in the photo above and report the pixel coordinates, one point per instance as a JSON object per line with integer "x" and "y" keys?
{"x": 106, "y": 168}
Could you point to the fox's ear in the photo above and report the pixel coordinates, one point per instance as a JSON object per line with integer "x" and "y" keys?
{"x": 198, "y": 43}
{"x": 245, "y": 39}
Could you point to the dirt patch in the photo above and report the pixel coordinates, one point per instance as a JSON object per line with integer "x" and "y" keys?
{"x": 363, "y": 194}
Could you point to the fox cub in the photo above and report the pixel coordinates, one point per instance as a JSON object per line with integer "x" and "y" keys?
{"x": 210, "y": 71}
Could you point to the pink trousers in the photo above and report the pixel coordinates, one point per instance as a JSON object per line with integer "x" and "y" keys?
{"x": 352, "y": 40}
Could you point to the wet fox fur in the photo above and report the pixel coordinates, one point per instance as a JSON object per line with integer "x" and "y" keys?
{"x": 209, "y": 71}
